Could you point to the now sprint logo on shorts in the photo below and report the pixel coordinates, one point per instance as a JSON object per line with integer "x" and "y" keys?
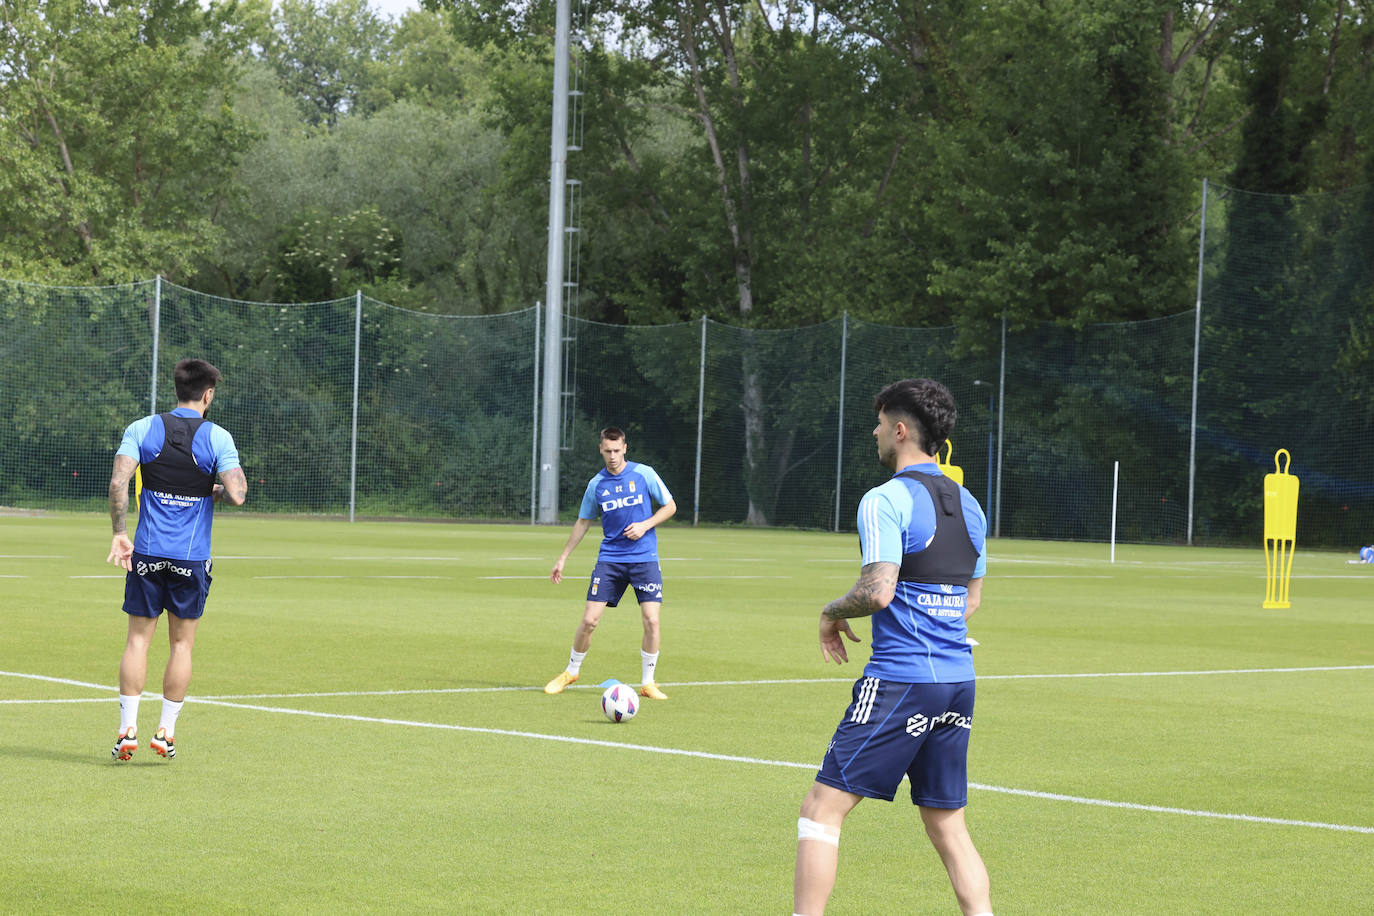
{"x": 651, "y": 588}
{"x": 917, "y": 724}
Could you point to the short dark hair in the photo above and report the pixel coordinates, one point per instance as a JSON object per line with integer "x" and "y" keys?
{"x": 613, "y": 433}
{"x": 192, "y": 377}
{"x": 924, "y": 403}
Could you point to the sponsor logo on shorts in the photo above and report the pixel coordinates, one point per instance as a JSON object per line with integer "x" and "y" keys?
{"x": 918, "y": 724}
{"x": 651, "y": 588}
{"x": 145, "y": 568}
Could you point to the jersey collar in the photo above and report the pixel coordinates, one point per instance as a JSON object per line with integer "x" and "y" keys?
{"x": 925, "y": 467}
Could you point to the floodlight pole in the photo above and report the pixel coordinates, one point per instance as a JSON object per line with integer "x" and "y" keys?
{"x": 550, "y": 426}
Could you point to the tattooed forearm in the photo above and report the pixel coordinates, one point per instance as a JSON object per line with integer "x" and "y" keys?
{"x": 119, "y": 493}
{"x": 873, "y": 592}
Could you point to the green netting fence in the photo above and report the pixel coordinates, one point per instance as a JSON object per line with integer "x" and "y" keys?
{"x": 357, "y": 408}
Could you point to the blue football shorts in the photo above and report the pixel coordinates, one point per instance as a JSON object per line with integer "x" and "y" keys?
{"x": 891, "y": 730}
{"x": 609, "y": 581}
{"x": 157, "y": 583}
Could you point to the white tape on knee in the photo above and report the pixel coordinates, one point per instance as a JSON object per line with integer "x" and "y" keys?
{"x": 808, "y": 829}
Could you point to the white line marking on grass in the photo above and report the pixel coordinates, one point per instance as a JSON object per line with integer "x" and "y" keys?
{"x": 675, "y": 577}
{"x": 13, "y": 577}
{"x": 115, "y": 576}
{"x": 55, "y": 680}
{"x": 376, "y": 559}
{"x": 762, "y": 761}
{"x": 444, "y": 726}
{"x": 372, "y": 693}
{"x": 33, "y": 556}
{"x": 246, "y": 557}
{"x": 352, "y": 577}
{"x": 1026, "y": 677}
{"x": 733, "y": 758}
{"x": 1030, "y": 576}
{"x": 764, "y": 682}
{"x": 1160, "y": 809}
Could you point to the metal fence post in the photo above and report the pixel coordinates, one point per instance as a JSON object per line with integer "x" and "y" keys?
{"x": 701, "y": 414}
{"x": 839, "y": 433}
{"x": 534, "y": 422}
{"x": 1001, "y": 438}
{"x": 1197, "y": 349}
{"x": 357, "y": 349}
{"x": 157, "y": 333}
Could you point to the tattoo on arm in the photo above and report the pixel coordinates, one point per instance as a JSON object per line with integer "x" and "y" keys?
{"x": 877, "y": 582}
{"x": 119, "y": 493}
{"x": 235, "y": 485}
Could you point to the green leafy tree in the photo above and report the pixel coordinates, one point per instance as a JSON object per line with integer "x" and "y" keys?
{"x": 324, "y": 52}
{"x": 117, "y": 138}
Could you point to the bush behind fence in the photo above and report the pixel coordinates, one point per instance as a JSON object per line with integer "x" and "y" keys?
{"x": 446, "y": 418}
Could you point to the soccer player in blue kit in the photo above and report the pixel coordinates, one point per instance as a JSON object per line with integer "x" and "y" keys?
{"x": 168, "y": 562}
{"x": 922, "y": 538}
{"x": 621, "y": 495}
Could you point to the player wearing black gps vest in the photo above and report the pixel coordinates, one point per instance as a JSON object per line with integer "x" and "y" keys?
{"x": 167, "y": 563}
{"x": 911, "y": 714}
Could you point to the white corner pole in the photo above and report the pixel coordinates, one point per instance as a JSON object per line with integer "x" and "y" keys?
{"x": 1116, "y": 477}
{"x": 550, "y": 427}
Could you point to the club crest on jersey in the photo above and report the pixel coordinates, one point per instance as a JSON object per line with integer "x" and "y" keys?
{"x": 632, "y": 486}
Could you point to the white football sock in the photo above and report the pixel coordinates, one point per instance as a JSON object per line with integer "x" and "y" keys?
{"x": 648, "y": 661}
{"x": 128, "y": 712}
{"x": 575, "y": 661}
{"x": 170, "y": 711}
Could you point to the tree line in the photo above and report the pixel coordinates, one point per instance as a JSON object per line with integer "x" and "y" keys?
{"x": 765, "y": 164}
{"x": 768, "y": 165}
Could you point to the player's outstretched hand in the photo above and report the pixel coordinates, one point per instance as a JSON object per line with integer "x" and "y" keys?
{"x": 121, "y": 551}
{"x": 557, "y": 575}
{"x": 832, "y": 645}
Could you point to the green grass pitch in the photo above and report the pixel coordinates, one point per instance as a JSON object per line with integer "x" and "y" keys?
{"x": 367, "y": 733}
